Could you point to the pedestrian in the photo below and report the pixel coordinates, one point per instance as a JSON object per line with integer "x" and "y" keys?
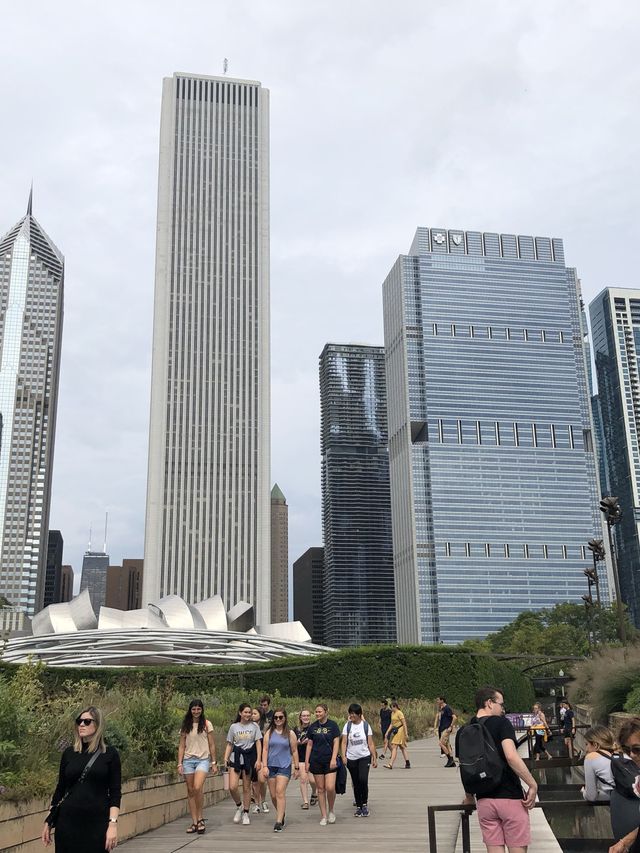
{"x": 280, "y": 752}
{"x": 267, "y": 713}
{"x": 306, "y": 778}
{"x": 86, "y": 802}
{"x": 258, "y": 787}
{"x": 568, "y": 727}
{"x": 322, "y": 760}
{"x": 540, "y": 732}
{"x": 444, "y": 723}
{"x": 598, "y": 776}
{"x": 624, "y": 805}
{"x": 243, "y": 754}
{"x": 503, "y": 810}
{"x": 385, "y": 724}
{"x": 358, "y": 753}
{"x": 397, "y": 736}
{"x": 196, "y": 755}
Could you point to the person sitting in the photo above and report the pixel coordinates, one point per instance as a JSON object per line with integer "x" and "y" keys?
{"x": 598, "y": 777}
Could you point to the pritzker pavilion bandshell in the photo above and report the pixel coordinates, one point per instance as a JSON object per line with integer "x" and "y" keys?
{"x": 169, "y": 631}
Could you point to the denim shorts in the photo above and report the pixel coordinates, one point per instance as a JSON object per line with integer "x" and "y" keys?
{"x": 190, "y": 765}
{"x": 279, "y": 771}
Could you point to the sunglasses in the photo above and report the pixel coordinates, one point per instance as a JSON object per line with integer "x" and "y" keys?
{"x": 278, "y": 716}
{"x": 84, "y": 721}
{"x": 632, "y": 750}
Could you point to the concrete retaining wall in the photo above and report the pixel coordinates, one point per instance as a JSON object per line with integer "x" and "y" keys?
{"x": 147, "y": 802}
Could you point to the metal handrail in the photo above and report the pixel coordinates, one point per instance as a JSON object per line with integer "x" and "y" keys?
{"x": 467, "y": 810}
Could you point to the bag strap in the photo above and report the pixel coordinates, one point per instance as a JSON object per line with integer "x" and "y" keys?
{"x": 82, "y": 776}
{"x": 604, "y": 754}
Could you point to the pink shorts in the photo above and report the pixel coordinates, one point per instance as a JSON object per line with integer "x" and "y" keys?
{"x": 504, "y": 823}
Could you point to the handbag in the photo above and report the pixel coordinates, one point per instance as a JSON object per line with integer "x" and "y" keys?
{"x": 54, "y": 811}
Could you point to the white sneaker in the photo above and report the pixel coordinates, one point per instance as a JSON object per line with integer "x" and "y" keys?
{"x": 246, "y": 820}
{"x": 238, "y": 815}
{"x": 331, "y": 818}
{"x": 265, "y": 807}
{"x": 323, "y": 821}
{"x": 255, "y": 809}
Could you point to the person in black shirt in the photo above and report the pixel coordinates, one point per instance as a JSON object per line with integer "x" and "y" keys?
{"x": 321, "y": 759}
{"x": 385, "y": 723}
{"x": 503, "y": 813}
{"x": 445, "y": 721}
{"x": 87, "y": 816}
{"x": 568, "y": 727}
{"x": 306, "y": 778}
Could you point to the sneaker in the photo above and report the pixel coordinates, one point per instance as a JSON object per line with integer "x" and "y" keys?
{"x": 331, "y": 818}
{"x": 323, "y": 821}
{"x": 382, "y": 756}
{"x": 256, "y": 808}
{"x": 407, "y": 765}
{"x": 278, "y": 827}
{"x": 238, "y": 815}
{"x": 265, "y": 808}
{"x": 365, "y": 811}
{"x": 358, "y": 812}
{"x": 246, "y": 820}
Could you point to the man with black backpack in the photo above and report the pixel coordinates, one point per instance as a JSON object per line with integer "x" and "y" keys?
{"x": 491, "y": 770}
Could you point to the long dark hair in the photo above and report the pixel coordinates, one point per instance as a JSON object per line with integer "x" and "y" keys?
{"x": 241, "y": 708}
{"x": 187, "y": 723}
{"x": 285, "y": 725}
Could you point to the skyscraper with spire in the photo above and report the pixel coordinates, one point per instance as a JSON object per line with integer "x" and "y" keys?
{"x": 208, "y": 509}
{"x": 31, "y": 310}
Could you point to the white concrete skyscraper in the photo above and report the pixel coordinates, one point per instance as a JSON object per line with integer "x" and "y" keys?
{"x": 31, "y": 305}
{"x": 208, "y": 491}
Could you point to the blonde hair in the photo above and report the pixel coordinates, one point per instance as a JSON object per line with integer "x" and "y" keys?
{"x": 600, "y": 737}
{"x": 97, "y": 741}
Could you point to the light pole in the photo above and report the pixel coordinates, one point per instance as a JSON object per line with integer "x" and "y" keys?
{"x": 588, "y": 604}
{"x": 610, "y": 507}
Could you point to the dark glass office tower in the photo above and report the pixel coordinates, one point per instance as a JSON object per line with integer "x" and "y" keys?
{"x": 359, "y": 604}
{"x": 615, "y": 329}
{"x": 493, "y": 475}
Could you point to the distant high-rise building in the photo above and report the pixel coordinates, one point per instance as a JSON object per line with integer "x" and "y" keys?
{"x": 66, "y": 584}
{"x": 615, "y": 329}
{"x": 54, "y": 568}
{"x": 94, "y": 577}
{"x": 356, "y": 504}
{"x": 493, "y": 475}
{"x": 279, "y": 556}
{"x": 208, "y": 510}
{"x": 31, "y": 307}
{"x": 308, "y": 592}
{"x": 124, "y": 585}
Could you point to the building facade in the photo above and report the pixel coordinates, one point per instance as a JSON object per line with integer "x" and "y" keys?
{"x": 94, "y": 578}
{"x": 356, "y": 504}
{"x": 31, "y": 309}
{"x": 308, "y": 588}
{"x": 208, "y": 510}
{"x": 53, "y": 575}
{"x": 279, "y": 556}
{"x": 124, "y": 585}
{"x": 493, "y": 472}
{"x": 615, "y": 330}
{"x": 66, "y": 585}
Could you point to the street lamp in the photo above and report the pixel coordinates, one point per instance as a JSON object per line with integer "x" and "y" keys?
{"x": 610, "y": 507}
{"x": 588, "y": 604}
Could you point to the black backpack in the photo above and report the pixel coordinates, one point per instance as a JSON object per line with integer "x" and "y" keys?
{"x": 481, "y": 766}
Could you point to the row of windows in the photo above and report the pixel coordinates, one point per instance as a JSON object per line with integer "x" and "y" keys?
{"x": 507, "y": 550}
{"x": 498, "y": 333}
{"x": 502, "y": 434}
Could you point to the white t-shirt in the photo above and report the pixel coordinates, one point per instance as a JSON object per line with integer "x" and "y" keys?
{"x": 357, "y": 746}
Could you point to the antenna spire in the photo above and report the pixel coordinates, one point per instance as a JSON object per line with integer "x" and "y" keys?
{"x": 30, "y": 202}
{"x": 225, "y": 66}
{"x": 106, "y": 522}
{"x": 90, "y": 531}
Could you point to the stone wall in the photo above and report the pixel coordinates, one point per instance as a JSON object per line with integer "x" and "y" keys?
{"x": 147, "y": 802}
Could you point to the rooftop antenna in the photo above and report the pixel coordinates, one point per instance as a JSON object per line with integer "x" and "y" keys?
{"x": 30, "y": 202}
{"x": 225, "y": 66}
{"x": 106, "y": 522}
{"x": 90, "y": 531}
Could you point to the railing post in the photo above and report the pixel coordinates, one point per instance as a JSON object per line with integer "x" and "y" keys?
{"x": 466, "y": 834}
{"x": 431, "y": 823}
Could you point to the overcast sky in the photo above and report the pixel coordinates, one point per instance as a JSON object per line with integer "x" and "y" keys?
{"x": 506, "y": 116}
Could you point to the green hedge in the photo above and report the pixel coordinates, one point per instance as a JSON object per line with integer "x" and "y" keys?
{"x": 362, "y": 673}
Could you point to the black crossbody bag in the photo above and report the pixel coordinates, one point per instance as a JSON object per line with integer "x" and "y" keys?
{"x": 55, "y": 807}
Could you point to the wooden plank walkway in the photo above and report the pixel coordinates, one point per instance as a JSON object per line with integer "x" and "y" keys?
{"x": 398, "y": 803}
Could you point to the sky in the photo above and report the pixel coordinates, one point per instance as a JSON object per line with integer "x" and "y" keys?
{"x": 493, "y": 116}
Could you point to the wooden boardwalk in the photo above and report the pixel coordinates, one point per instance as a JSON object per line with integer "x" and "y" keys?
{"x": 398, "y": 801}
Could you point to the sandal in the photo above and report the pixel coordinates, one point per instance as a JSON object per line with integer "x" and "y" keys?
{"x": 314, "y": 800}
{"x": 201, "y": 827}
{"x": 192, "y": 829}
{"x": 388, "y": 766}
{"x": 304, "y": 806}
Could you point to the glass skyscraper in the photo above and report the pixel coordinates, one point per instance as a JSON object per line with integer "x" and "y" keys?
{"x": 615, "y": 330}
{"x": 208, "y": 493}
{"x": 31, "y": 309}
{"x": 358, "y": 594}
{"x": 493, "y": 475}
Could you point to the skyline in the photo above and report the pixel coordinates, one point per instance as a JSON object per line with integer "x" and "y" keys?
{"x": 510, "y": 126}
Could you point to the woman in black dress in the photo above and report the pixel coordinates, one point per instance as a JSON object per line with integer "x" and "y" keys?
{"x": 87, "y": 817}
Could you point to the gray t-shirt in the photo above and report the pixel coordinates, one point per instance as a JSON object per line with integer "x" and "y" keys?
{"x": 244, "y": 735}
